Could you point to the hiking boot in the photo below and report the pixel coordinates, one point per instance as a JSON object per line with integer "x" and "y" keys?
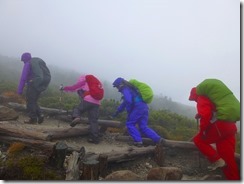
{"x": 218, "y": 164}
{"x": 75, "y": 122}
{"x": 90, "y": 140}
{"x": 40, "y": 119}
{"x": 31, "y": 121}
{"x": 161, "y": 141}
{"x": 138, "y": 144}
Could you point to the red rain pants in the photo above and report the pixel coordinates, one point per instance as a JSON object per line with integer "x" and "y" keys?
{"x": 223, "y": 135}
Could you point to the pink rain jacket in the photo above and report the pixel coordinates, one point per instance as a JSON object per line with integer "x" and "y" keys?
{"x": 82, "y": 84}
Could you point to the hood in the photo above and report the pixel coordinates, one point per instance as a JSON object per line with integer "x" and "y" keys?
{"x": 193, "y": 94}
{"x": 26, "y": 57}
{"x": 118, "y": 82}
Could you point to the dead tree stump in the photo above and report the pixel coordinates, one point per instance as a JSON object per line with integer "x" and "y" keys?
{"x": 58, "y": 156}
{"x": 103, "y": 164}
{"x": 159, "y": 154}
{"x": 90, "y": 170}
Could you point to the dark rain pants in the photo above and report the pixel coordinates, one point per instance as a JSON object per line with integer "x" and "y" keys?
{"x": 32, "y": 107}
{"x": 93, "y": 113}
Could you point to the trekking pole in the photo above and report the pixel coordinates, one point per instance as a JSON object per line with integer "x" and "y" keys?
{"x": 60, "y": 101}
{"x": 199, "y": 154}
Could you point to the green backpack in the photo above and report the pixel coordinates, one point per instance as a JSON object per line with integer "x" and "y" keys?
{"x": 227, "y": 105}
{"x": 145, "y": 90}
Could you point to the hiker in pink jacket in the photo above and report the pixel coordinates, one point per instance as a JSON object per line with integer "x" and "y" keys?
{"x": 87, "y": 104}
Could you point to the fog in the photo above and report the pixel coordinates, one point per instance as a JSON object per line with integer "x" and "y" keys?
{"x": 171, "y": 45}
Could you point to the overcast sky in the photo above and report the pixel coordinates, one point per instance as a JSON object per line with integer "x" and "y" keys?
{"x": 172, "y": 45}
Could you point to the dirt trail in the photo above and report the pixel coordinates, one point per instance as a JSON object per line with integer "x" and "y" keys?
{"x": 107, "y": 143}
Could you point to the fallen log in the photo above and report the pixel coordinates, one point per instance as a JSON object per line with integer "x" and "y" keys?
{"x": 63, "y": 115}
{"x": 114, "y": 156}
{"x": 33, "y": 132}
{"x": 45, "y": 146}
{"x": 15, "y": 130}
{"x": 168, "y": 143}
{"x": 101, "y": 122}
{"x": 121, "y": 156}
{"x": 171, "y": 144}
{"x": 61, "y": 133}
{"x": 48, "y": 111}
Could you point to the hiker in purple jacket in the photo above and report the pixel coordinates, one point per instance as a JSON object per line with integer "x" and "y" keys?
{"x": 137, "y": 113}
{"x": 32, "y": 94}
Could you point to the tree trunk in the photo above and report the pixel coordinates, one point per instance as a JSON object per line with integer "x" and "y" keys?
{"x": 159, "y": 155}
{"x": 90, "y": 170}
{"x": 58, "y": 155}
{"x": 72, "y": 164}
{"x": 103, "y": 163}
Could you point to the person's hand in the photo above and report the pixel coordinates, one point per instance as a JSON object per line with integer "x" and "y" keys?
{"x": 19, "y": 92}
{"x": 61, "y": 87}
{"x": 114, "y": 115}
{"x": 197, "y": 116}
{"x": 203, "y": 134}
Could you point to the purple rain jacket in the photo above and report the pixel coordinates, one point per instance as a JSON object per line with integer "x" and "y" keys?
{"x": 26, "y": 72}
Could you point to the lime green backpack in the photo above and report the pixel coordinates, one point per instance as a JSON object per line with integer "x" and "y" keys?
{"x": 145, "y": 90}
{"x": 227, "y": 105}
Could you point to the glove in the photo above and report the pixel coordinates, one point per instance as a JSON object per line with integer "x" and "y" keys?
{"x": 61, "y": 88}
{"x": 197, "y": 116}
{"x": 114, "y": 115}
{"x": 203, "y": 134}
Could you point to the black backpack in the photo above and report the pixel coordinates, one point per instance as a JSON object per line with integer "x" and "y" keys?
{"x": 41, "y": 76}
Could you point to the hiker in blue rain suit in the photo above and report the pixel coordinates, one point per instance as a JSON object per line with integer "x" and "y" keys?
{"x": 137, "y": 113}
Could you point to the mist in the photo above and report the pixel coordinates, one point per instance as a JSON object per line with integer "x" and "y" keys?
{"x": 170, "y": 45}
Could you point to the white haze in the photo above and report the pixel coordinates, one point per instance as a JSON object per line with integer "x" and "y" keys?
{"x": 171, "y": 45}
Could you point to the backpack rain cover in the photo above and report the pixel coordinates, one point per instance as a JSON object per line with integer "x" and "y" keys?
{"x": 95, "y": 87}
{"x": 145, "y": 90}
{"x": 227, "y": 105}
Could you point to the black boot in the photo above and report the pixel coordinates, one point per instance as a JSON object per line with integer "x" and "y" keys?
{"x": 40, "y": 119}
{"x": 31, "y": 121}
{"x": 94, "y": 141}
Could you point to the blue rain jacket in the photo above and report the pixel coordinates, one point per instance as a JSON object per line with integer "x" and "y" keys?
{"x": 137, "y": 113}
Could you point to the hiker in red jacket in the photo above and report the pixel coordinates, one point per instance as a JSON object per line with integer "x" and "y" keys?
{"x": 220, "y": 132}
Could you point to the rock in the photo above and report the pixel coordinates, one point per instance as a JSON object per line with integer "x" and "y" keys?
{"x": 7, "y": 114}
{"x": 123, "y": 175}
{"x": 165, "y": 173}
